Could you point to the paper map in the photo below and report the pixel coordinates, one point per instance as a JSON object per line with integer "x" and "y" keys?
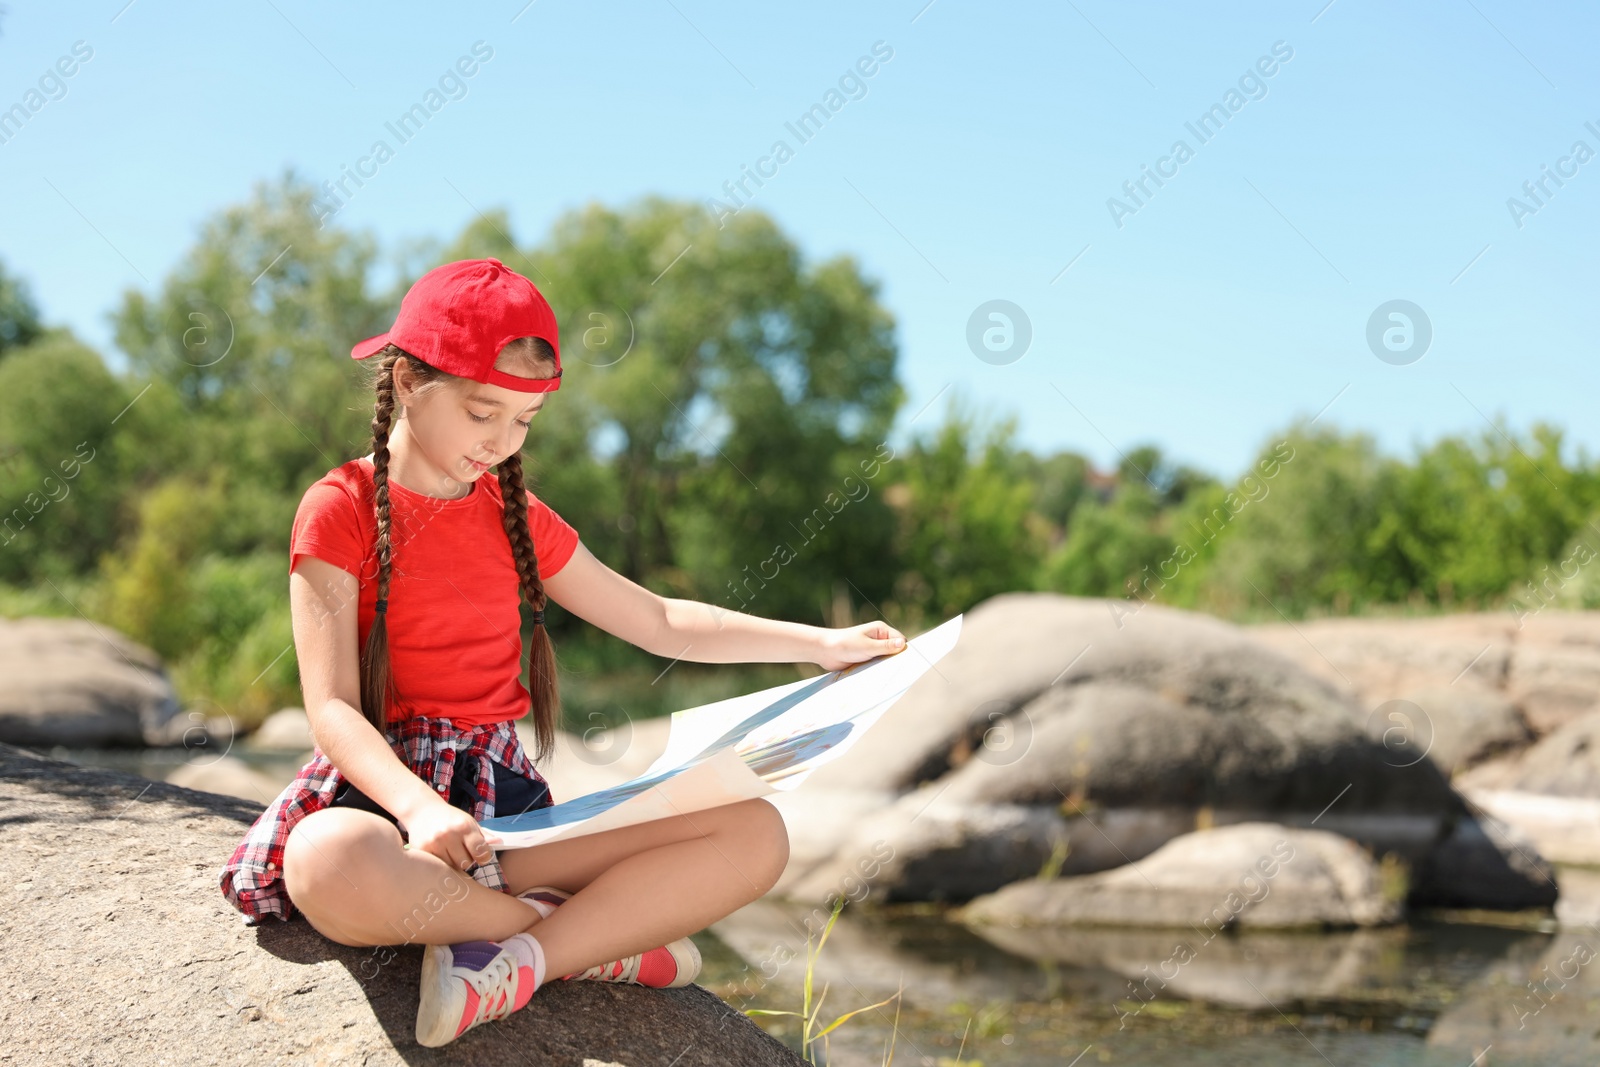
{"x": 742, "y": 747}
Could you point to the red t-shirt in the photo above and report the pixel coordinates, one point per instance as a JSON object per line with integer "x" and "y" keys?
{"x": 455, "y": 640}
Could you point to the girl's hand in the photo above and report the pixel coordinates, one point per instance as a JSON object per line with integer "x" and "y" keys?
{"x": 847, "y": 645}
{"x": 453, "y": 835}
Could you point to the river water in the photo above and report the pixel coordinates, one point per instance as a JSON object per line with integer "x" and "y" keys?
{"x": 1427, "y": 993}
{"x": 1475, "y": 991}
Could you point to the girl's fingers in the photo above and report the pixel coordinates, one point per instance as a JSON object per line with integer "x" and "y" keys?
{"x": 479, "y": 849}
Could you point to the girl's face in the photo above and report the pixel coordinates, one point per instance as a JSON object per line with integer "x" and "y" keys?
{"x": 467, "y": 427}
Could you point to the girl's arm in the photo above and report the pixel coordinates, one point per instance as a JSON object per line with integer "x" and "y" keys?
{"x": 706, "y": 633}
{"x": 322, "y": 601}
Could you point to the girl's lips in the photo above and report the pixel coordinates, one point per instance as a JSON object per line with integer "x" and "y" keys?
{"x": 479, "y": 467}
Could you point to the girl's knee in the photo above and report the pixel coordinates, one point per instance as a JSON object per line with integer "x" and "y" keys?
{"x": 767, "y": 838}
{"x": 325, "y": 851}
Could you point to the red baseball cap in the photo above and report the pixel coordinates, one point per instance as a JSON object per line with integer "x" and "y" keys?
{"x": 458, "y": 316}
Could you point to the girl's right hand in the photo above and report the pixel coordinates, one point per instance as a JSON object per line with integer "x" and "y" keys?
{"x": 445, "y": 831}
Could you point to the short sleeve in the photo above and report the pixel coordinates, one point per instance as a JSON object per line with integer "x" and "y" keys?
{"x": 554, "y": 539}
{"x": 326, "y": 526}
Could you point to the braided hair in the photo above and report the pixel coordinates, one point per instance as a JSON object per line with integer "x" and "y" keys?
{"x": 527, "y": 356}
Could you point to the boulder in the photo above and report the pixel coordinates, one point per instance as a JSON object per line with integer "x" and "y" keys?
{"x": 1122, "y": 729}
{"x": 82, "y": 684}
{"x": 1484, "y": 863}
{"x": 287, "y": 730}
{"x": 1456, "y": 726}
{"x": 1565, "y": 764}
{"x": 1121, "y": 745}
{"x": 1546, "y": 663}
{"x": 1563, "y": 829}
{"x": 1550, "y": 792}
{"x": 1048, "y": 694}
{"x": 1254, "y": 875}
{"x": 924, "y": 848}
{"x": 229, "y": 776}
{"x": 816, "y": 820}
{"x": 1579, "y": 905}
{"x": 165, "y": 971}
{"x": 1380, "y": 658}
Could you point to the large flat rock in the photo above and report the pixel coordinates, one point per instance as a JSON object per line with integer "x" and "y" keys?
{"x": 134, "y": 956}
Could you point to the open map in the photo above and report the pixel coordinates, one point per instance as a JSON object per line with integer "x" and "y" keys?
{"x": 742, "y": 747}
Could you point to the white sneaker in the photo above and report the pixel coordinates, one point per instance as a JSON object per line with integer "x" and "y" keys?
{"x": 466, "y": 984}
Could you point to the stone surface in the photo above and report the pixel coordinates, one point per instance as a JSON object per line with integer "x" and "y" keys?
{"x": 923, "y": 848}
{"x": 1255, "y": 875}
{"x": 228, "y": 776}
{"x": 1126, "y": 731}
{"x": 1048, "y": 695}
{"x": 1563, "y": 829}
{"x": 1456, "y": 726}
{"x": 82, "y": 684}
{"x": 285, "y": 730}
{"x": 1547, "y": 663}
{"x": 1566, "y": 763}
{"x": 1485, "y": 863}
{"x": 1579, "y": 905}
{"x": 115, "y": 876}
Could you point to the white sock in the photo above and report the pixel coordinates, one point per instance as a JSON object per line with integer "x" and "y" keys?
{"x": 526, "y": 947}
{"x": 543, "y": 907}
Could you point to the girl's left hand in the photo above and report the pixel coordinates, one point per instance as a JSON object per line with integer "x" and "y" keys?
{"x": 849, "y": 645}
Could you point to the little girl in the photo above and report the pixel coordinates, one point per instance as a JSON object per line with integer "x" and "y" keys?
{"x": 407, "y": 568}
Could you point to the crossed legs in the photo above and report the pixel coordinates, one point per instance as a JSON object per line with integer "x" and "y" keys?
{"x": 635, "y": 888}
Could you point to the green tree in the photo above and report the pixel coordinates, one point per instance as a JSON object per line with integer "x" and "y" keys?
{"x": 1111, "y": 548}
{"x": 1062, "y": 483}
{"x": 62, "y": 458}
{"x": 968, "y": 530}
{"x": 252, "y": 331}
{"x": 19, "y": 315}
{"x": 734, "y": 387}
{"x": 1472, "y": 515}
{"x": 1308, "y": 534}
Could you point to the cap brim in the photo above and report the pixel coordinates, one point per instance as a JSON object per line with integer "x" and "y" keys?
{"x": 370, "y": 346}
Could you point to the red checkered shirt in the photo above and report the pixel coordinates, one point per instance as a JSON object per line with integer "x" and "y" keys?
{"x": 433, "y": 748}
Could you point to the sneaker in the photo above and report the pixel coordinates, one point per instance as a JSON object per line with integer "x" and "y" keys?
{"x": 466, "y": 984}
{"x": 674, "y": 964}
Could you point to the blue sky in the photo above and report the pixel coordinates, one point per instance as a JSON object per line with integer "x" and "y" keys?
{"x": 1374, "y": 164}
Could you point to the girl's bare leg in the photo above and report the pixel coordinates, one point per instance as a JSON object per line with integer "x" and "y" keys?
{"x": 347, "y": 873}
{"x": 641, "y": 886}
{"x": 635, "y": 888}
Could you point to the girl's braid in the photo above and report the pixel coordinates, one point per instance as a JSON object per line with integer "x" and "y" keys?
{"x": 377, "y": 681}
{"x": 541, "y": 666}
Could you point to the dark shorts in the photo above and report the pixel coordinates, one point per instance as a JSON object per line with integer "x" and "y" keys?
{"x": 513, "y": 795}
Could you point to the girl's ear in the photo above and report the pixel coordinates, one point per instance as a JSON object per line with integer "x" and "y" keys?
{"x": 404, "y": 382}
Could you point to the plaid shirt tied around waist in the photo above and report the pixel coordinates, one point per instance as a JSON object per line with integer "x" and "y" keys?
{"x": 433, "y": 748}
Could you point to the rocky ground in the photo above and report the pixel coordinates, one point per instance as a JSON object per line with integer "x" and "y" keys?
{"x": 123, "y": 951}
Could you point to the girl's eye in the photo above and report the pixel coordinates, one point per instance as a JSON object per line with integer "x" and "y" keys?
{"x": 490, "y": 418}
